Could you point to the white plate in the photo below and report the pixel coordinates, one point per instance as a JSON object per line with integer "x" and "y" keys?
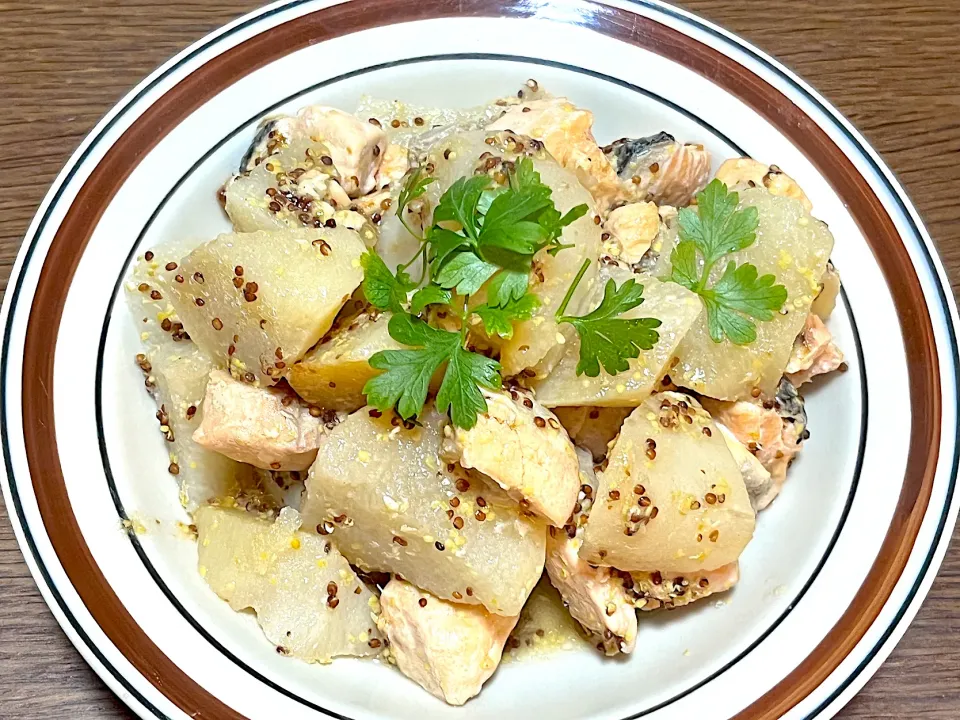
{"x": 839, "y": 563}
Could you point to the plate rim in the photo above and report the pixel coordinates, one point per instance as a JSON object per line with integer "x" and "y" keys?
{"x": 76, "y": 161}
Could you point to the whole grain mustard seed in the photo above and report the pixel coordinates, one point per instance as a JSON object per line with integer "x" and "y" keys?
{"x": 422, "y": 602}
{"x": 458, "y": 523}
{"x": 217, "y": 324}
{"x": 148, "y": 255}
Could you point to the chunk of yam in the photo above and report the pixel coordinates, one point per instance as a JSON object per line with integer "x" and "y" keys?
{"x": 393, "y": 506}
{"x": 793, "y": 246}
{"x": 304, "y": 592}
{"x": 671, "y": 495}
{"x": 257, "y": 302}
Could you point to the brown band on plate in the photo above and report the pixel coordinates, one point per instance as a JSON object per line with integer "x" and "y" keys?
{"x": 77, "y": 226}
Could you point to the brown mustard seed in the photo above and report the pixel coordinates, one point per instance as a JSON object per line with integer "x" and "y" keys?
{"x": 399, "y": 541}
{"x": 456, "y": 595}
{"x": 373, "y": 642}
{"x": 173, "y": 469}
{"x": 171, "y": 266}
{"x": 755, "y": 392}
{"x": 454, "y": 502}
{"x": 480, "y": 515}
{"x": 654, "y": 512}
{"x": 710, "y": 498}
{"x": 332, "y": 589}
{"x": 644, "y": 501}
{"x": 481, "y": 502}
{"x": 721, "y": 498}
{"x": 423, "y": 602}
{"x": 143, "y": 287}
{"x": 614, "y": 494}
{"x": 200, "y": 302}
{"x": 714, "y": 536}
{"x": 458, "y": 523}
{"x": 463, "y": 485}
{"x": 148, "y": 255}
{"x": 639, "y": 489}
{"x": 706, "y": 431}
{"x": 155, "y": 295}
{"x": 333, "y": 602}
{"x": 651, "y": 453}
{"x": 695, "y": 505}
{"x": 439, "y": 546}
{"x": 179, "y": 279}
{"x": 217, "y": 324}
{"x": 539, "y": 422}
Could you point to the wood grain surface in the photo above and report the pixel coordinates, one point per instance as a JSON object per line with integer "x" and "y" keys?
{"x": 890, "y": 66}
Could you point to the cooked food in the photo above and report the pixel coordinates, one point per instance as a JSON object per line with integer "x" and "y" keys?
{"x": 456, "y": 369}
{"x": 743, "y": 173}
{"x": 256, "y": 302}
{"x": 308, "y": 600}
{"x": 521, "y": 446}
{"x": 447, "y": 648}
{"x": 653, "y": 591}
{"x": 566, "y": 132}
{"x": 382, "y": 493}
{"x": 659, "y": 169}
{"x": 594, "y": 595}
{"x": 264, "y": 427}
{"x": 671, "y": 498}
{"x": 792, "y": 246}
{"x": 333, "y": 373}
{"x": 675, "y": 307}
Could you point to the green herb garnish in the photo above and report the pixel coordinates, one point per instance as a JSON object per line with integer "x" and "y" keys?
{"x": 716, "y": 229}
{"x": 605, "y": 338}
{"x": 483, "y": 236}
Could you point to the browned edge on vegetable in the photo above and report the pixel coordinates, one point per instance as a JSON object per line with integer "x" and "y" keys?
{"x": 74, "y": 232}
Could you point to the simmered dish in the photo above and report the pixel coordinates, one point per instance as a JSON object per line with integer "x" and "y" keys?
{"x": 448, "y": 358}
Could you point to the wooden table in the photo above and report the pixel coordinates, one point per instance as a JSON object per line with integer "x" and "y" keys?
{"x": 891, "y": 67}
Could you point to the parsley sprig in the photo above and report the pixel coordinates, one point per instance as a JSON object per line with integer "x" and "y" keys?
{"x": 605, "y": 338}
{"x": 482, "y": 236}
{"x": 716, "y": 229}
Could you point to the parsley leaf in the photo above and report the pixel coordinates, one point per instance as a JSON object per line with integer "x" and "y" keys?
{"x": 507, "y": 285}
{"x": 459, "y": 203}
{"x": 429, "y": 295}
{"x": 605, "y": 338}
{"x": 499, "y": 320}
{"x": 465, "y": 272}
{"x": 715, "y": 229}
{"x": 382, "y": 289}
{"x": 406, "y": 375}
{"x": 460, "y": 392}
{"x": 739, "y": 290}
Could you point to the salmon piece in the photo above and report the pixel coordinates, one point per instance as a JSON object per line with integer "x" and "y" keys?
{"x": 760, "y": 485}
{"x": 633, "y": 228}
{"x": 659, "y": 168}
{"x": 566, "y": 131}
{"x": 664, "y": 590}
{"x": 814, "y": 353}
{"x": 522, "y": 447}
{"x": 773, "y": 430}
{"x": 263, "y": 427}
{"x": 355, "y": 147}
{"x": 447, "y": 648}
{"x": 595, "y": 596}
{"x": 393, "y": 166}
{"x": 741, "y": 173}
